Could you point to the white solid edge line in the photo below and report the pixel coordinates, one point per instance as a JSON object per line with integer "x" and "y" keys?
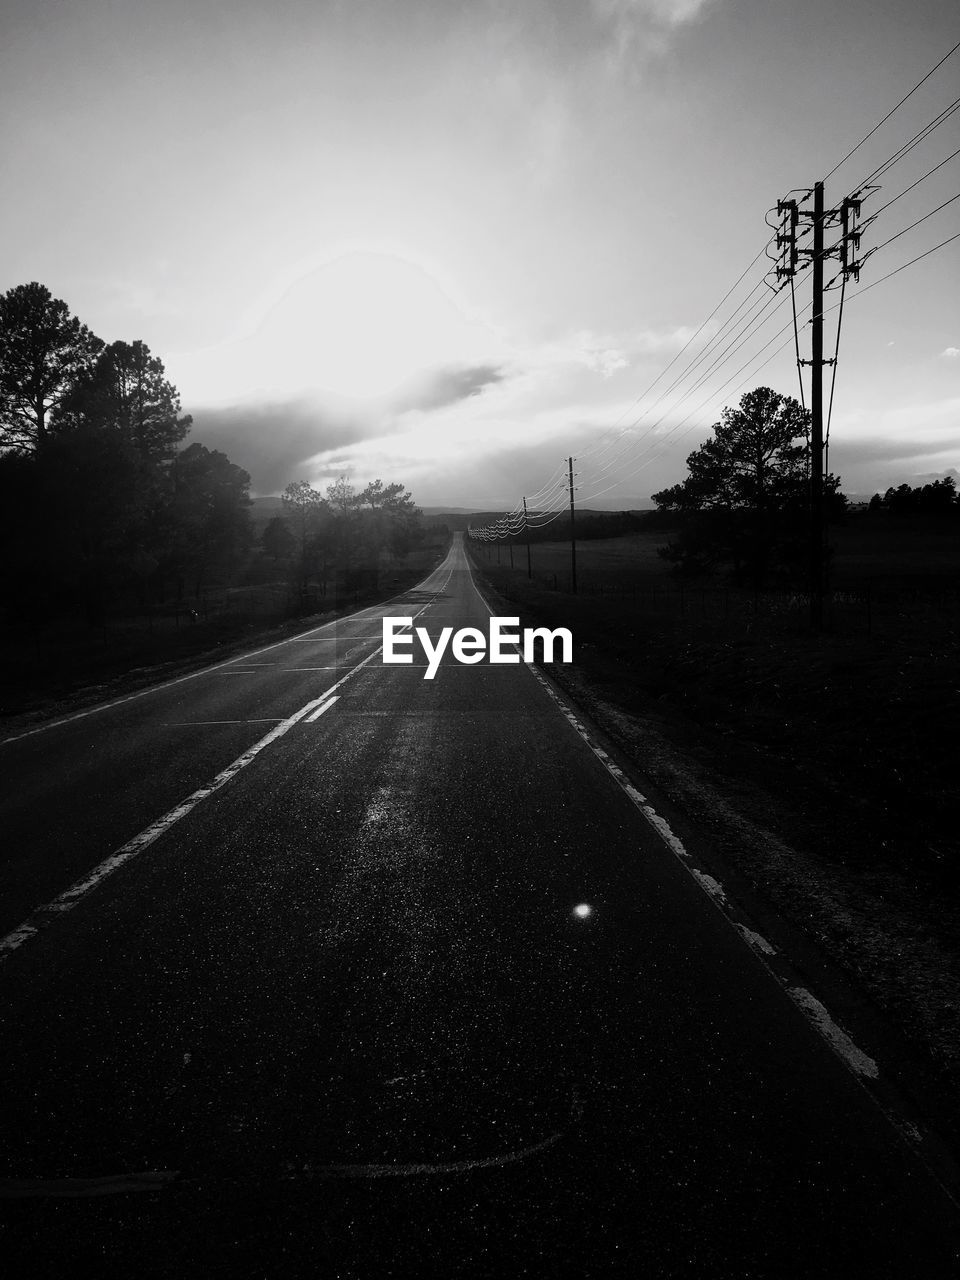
{"x": 304, "y": 636}
{"x": 816, "y": 1014}
{"x": 67, "y": 900}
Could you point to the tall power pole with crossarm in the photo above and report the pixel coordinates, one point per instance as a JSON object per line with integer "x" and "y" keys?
{"x": 790, "y": 252}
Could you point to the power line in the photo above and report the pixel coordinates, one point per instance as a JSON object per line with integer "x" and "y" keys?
{"x": 896, "y": 271}
{"x": 877, "y": 212}
{"x": 878, "y": 247}
{"x": 744, "y": 334}
{"x": 909, "y": 145}
{"x": 692, "y": 339}
{"x": 712, "y": 396}
{"x": 796, "y": 339}
{"x": 754, "y": 322}
{"x": 833, "y": 378}
{"x": 866, "y": 136}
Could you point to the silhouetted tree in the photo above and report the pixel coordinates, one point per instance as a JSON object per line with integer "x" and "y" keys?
{"x": 208, "y": 513}
{"x": 82, "y": 524}
{"x": 44, "y": 353}
{"x": 939, "y": 497}
{"x": 127, "y": 392}
{"x": 746, "y": 496}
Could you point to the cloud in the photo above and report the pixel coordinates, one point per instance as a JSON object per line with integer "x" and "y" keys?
{"x": 639, "y": 26}
{"x": 442, "y": 387}
{"x": 951, "y": 353}
{"x": 668, "y": 13}
{"x": 312, "y": 438}
{"x": 868, "y": 450}
{"x": 274, "y": 440}
{"x": 928, "y": 477}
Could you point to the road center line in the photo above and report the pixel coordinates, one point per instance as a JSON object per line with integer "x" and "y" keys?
{"x": 177, "y": 724}
{"x": 79, "y": 890}
{"x": 320, "y": 710}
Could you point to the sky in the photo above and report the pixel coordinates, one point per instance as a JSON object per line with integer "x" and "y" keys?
{"x": 452, "y": 242}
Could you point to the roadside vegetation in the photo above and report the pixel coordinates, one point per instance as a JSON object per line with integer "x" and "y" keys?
{"x": 127, "y": 546}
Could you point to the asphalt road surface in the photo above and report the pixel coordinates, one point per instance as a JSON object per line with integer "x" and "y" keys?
{"x": 286, "y": 993}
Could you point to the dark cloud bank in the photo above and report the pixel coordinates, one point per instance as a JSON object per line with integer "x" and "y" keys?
{"x": 275, "y": 440}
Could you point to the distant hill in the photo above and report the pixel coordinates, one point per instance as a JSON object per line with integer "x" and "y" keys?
{"x": 485, "y": 514}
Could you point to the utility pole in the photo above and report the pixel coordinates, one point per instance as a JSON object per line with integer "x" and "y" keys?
{"x": 816, "y": 411}
{"x": 846, "y": 249}
{"x": 573, "y": 537}
{"x": 526, "y": 530}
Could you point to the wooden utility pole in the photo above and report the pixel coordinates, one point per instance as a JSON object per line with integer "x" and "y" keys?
{"x": 816, "y": 411}
{"x": 846, "y": 249}
{"x": 526, "y": 530}
{"x": 573, "y": 537}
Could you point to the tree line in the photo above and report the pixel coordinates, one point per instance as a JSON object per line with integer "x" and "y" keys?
{"x": 588, "y": 525}
{"x": 344, "y": 536}
{"x": 103, "y": 505}
{"x": 745, "y": 502}
{"x": 938, "y": 498}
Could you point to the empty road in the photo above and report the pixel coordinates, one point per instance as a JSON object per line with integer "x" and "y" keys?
{"x": 312, "y": 966}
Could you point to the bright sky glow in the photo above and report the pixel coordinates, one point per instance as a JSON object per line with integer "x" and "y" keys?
{"x": 359, "y": 325}
{"x": 449, "y": 244}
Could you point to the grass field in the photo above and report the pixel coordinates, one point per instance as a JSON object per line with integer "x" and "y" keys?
{"x": 865, "y": 548}
{"x": 882, "y": 571}
{"x": 822, "y": 768}
{"x": 855, "y": 725}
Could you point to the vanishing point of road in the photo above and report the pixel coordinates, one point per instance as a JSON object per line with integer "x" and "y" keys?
{"x": 312, "y": 966}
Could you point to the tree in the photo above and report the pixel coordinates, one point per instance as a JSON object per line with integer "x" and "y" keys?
{"x": 756, "y": 459}
{"x": 746, "y": 499}
{"x": 277, "y": 540}
{"x": 391, "y": 518}
{"x": 341, "y": 496}
{"x": 79, "y": 520}
{"x": 303, "y": 504}
{"x": 934, "y": 499}
{"x": 127, "y": 392}
{"x": 208, "y": 513}
{"x": 44, "y": 353}
{"x": 307, "y": 511}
